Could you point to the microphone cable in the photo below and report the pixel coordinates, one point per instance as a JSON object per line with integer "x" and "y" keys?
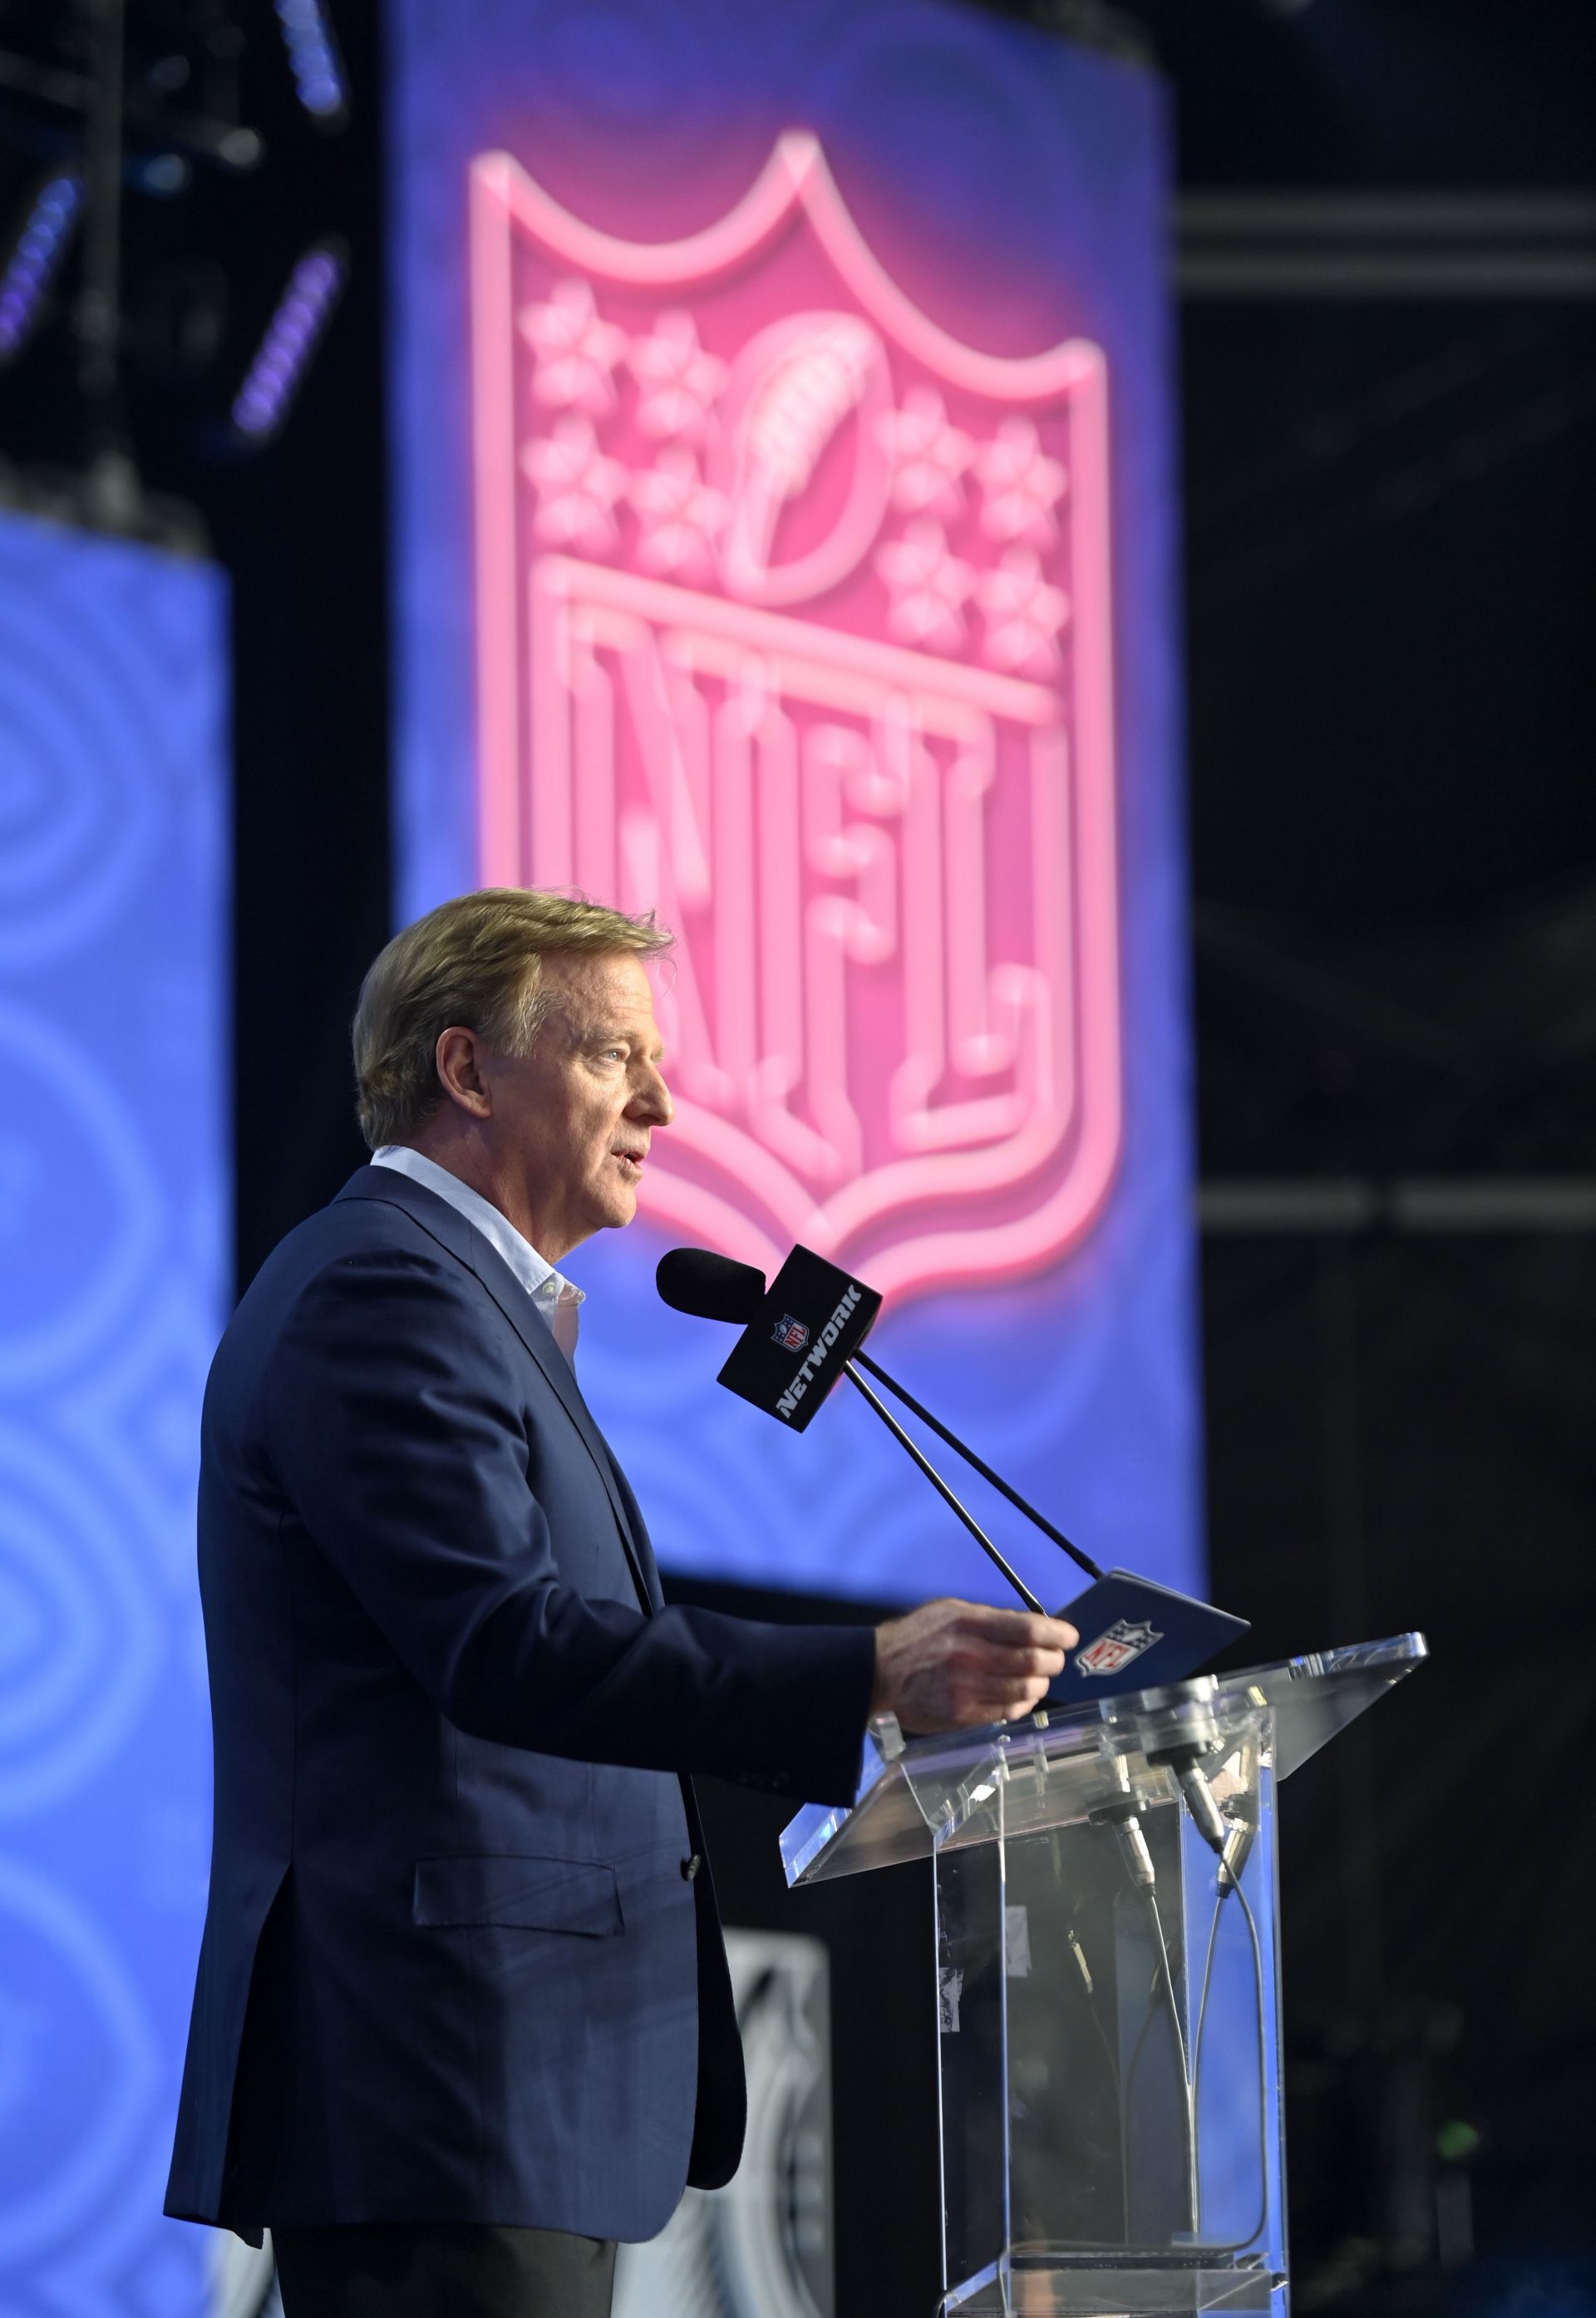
{"x": 1236, "y": 2245}
{"x": 1163, "y": 1984}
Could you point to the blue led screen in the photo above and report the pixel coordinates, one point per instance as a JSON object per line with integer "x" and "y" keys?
{"x": 114, "y": 1275}
{"x": 1011, "y": 192}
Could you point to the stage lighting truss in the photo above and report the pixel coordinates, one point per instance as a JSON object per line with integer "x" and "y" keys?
{"x": 126, "y": 99}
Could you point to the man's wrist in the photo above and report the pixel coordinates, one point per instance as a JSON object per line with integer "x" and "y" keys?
{"x": 881, "y": 1682}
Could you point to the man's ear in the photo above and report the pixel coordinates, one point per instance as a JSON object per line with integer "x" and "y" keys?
{"x": 459, "y": 1058}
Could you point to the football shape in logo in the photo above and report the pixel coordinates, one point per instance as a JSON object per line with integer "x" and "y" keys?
{"x": 807, "y": 391}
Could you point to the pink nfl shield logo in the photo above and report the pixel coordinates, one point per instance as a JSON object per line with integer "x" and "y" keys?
{"x": 1125, "y": 1639}
{"x": 793, "y": 621}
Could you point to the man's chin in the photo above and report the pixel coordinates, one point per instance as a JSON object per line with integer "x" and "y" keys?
{"x": 620, "y": 1207}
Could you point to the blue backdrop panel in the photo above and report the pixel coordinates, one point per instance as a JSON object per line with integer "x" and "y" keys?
{"x": 114, "y": 1231}
{"x": 1017, "y": 189}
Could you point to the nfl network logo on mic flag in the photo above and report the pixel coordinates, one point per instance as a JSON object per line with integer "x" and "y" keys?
{"x": 787, "y": 1366}
{"x": 796, "y": 626}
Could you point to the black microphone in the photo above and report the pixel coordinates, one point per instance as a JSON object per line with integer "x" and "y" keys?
{"x": 709, "y": 1287}
{"x": 799, "y": 1335}
{"x": 805, "y": 1331}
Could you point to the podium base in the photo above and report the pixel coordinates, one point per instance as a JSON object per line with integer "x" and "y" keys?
{"x": 1051, "y": 2284}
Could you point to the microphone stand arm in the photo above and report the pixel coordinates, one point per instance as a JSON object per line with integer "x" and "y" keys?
{"x": 1085, "y": 1560}
{"x": 936, "y": 1479}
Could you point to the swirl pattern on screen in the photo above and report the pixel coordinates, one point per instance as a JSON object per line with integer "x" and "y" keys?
{"x": 113, "y": 1260}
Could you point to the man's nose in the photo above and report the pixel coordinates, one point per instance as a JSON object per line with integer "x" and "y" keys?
{"x": 653, "y": 1101}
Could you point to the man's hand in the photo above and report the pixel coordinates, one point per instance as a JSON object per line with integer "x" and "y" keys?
{"x": 951, "y": 1666}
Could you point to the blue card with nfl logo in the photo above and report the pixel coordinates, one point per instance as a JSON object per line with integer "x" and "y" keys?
{"x": 1136, "y": 1635}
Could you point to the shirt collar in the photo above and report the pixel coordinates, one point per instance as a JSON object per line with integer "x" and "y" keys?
{"x": 556, "y": 1299}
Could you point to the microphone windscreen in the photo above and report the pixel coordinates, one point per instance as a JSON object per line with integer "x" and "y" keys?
{"x": 709, "y": 1287}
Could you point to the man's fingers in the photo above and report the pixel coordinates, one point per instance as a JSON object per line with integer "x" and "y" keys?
{"x": 1025, "y": 1663}
{"x": 1017, "y": 1630}
{"x": 951, "y": 1665}
{"x": 1003, "y": 1667}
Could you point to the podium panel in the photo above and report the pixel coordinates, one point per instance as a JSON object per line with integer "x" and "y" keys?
{"x": 1108, "y": 1982}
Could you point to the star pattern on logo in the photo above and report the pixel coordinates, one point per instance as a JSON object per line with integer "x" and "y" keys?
{"x": 576, "y": 348}
{"x": 1021, "y": 486}
{"x": 678, "y": 380}
{"x": 680, "y": 516}
{"x": 577, "y": 487}
{"x": 927, "y": 585}
{"x": 1024, "y": 612}
{"x": 928, "y": 454}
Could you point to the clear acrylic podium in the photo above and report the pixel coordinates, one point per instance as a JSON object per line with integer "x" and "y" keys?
{"x": 1107, "y": 1981}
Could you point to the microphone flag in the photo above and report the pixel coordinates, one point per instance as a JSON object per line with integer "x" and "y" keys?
{"x": 810, "y": 1319}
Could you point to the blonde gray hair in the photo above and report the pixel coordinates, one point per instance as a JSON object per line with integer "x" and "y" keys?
{"x": 475, "y": 964}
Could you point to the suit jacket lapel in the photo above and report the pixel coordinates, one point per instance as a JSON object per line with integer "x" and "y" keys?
{"x": 514, "y": 1303}
{"x": 453, "y": 1232}
{"x": 636, "y": 1526}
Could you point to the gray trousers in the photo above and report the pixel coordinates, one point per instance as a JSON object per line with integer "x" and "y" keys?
{"x": 467, "y": 2271}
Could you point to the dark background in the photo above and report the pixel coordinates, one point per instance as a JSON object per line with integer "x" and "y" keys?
{"x": 1390, "y": 568}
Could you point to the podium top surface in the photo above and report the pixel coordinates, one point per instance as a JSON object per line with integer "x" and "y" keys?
{"x": 922, "y": 1795}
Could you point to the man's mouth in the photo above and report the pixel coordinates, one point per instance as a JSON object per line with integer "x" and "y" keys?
{"x": 633, "y": 1161}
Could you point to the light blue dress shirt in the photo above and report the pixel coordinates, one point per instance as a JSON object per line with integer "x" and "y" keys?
{"x": 558, "y": 1302}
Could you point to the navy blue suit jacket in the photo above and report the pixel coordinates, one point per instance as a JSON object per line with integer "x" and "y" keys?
{"x": 454, "y": 1967}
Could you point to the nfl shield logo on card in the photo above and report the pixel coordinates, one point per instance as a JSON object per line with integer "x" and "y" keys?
{"x": 793, "y": 618}
{"x": 1125, "y": 1641}
{"x": 791, "y": 1334}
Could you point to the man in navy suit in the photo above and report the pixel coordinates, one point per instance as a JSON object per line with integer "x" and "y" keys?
{"x": 462, "y": 2017}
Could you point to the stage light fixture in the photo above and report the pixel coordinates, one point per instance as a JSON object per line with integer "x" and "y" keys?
{"x": 313, "y": 56}
{"x": 291, "y": 337}
{"x": 165, "y": 174}
{"x": 36, "y": 257}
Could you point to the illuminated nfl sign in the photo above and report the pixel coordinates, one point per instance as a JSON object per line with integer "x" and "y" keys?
{"x": 793, "y": 619}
